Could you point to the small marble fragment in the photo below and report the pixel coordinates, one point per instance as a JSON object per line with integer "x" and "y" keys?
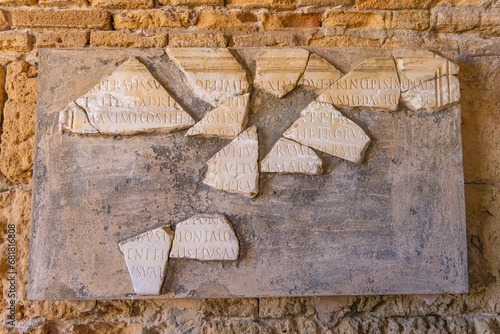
{"x": 278, "y": 70}
{"x": 226, "y": 121}
{"x": 288, "y": 156}
{"x": 146, "y": 256}
{"x": 205, "y": 237}
{"x": 129, "y": 101}
{"x": 319, "y": 74}
{"x": 324, "y": 128}
{"x": 213, "y": 74}
{"x": 433, "y": 94}
{"x": 374, "y": 83}
{"x": 235, "y": 168}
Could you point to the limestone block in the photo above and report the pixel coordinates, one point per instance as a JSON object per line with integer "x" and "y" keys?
{"x": 129, "y": 101}
{"x": 146, "y": 256}
{"x": 226, "y": 121}
{"x": 279, "y": 70}
{"x": 214, "y": 74}
{"x": 287, "y": 156}
{"x": 234, "y": 168}
{"x": 374, "y": 83}
{"x": 433, "y": 94}
{"x": 205, "y": 237}
{"x": 324, "y": 128}
{"x": 319, "y": 74}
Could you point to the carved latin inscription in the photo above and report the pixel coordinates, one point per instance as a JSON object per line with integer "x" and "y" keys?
{"x": 234, "y": 168}
{"x": 226, "y": 121}
{"x": 129, "y": 101}
{"x": 319, "y": 74}
{"x": 324, "y": 128}
{"x": 205, "y": 237}
{"x": 374, "y": 83}
{"x": 287, "y": 156}
{"x": 146, "y": 256}
{"x": 433, "y": 94}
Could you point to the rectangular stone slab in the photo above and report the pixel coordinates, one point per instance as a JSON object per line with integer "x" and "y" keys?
{"x": 394, "y": 224}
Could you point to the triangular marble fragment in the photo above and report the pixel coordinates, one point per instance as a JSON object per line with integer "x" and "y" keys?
{"x": 431, "y": 95}
{"x": 288, "y": 156}
{"x": 226, "y": 121}
{"x": 213, "y": 74}
{"x": 324, "y": 128}
{"x": 278, "y": 71}
{"x": 319, "y": 74}
{"x": 129, "y": 101}
{"x": 235, "y": 168}
{"x": 374, "y": 83}
{"x": 205, "y": 237}
{"x": 146, "y": 256}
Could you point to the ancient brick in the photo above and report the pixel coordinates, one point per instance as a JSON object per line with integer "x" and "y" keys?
{"x": 230, "y": 307}
{"x": 60, "y": 18}
{"x": 456, "y": 21}
{"x": 143, "y": 19}
{"x": 15, "y": 41}
{"x": 109, "y": 328}
{"x": 227, "y": 21}
{"x": 393, "y": 4}
{"x": 198, "y": 40}
{"x": 276, "y": 4}
{"x": 466, "y": 3}
{"x": 264, "y": 40}
{"x": 490, "y": 23}
{"x": 4, "y": 25}
{"x": 122, "y": 4}
{"x": 61, "y": 39}
{"x": 408, "y": 20}
{"x": 192, "y": 3}
{"x": 285, "y": 307}
{"x": 343, "y": 41}
{"x": 329, "y": 3}
{"x": 285, "y": 21}
{"x": 403, "y": 42}
{"x": 354, "y": 20}
{"x": 123, "y": 40}
{"x": 484, "y": 47}
{"x": 441, "y": 44}
{"x": 63, "y": 3}
{"x": 15, "y": 3}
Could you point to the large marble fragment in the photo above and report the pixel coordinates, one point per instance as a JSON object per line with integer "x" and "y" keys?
{"x": 146, "y": 256}
{"x": 205, "y": 237}
{"x": 226, "y": 121}
{"x": 324, "y": 128}
{"x": 129, "y": 101}
{"x": 319, "y": 74}
{"x": 214, "y": 74}
{"x": 288, "y": 156}
{"x": 235, "y": 168}
{"x": 427, "y": 80}
{"x": 374, "y": 83}
{"x": 278, "y": 70}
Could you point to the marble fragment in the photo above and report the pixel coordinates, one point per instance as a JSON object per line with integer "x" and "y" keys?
{"x": 288, "y": 156}
{"x": 205, "y": 237}
{"x": 146, "y": 256}
{"x": 129, "y": 101}
{"x": 433, "y": 94}
{"x": 214, "y": 74}
{"x": 226, "y": 121}
{"x": 324, "y": 128}
{"x": 235, "y": 168}
{"x": 374, "y": 83}
{"x": 278, "y": 71}
{"x": 319, "y": 74}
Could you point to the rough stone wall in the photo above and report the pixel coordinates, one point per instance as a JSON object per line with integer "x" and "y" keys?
{"x": 469, "y": 28}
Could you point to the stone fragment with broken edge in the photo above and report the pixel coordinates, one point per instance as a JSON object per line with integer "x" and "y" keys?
{"x": 319, "y": 74}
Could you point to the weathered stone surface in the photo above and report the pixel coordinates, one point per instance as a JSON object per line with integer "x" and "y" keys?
{"x": 230, "y": 21}
{"x": 15, "y": 41}
{"x": 367, "y": 20}
{"x": 129, "y": 101}
{"x": 226, "y": 121}
{"x": 264, "y": 40}
{"x": 324, "y": 128}
{"x": 61, "y": 39}
{"x": 319, "y": 74}
{"x": 277, "y": 4}
{"x": 273, "y": 21}
{"x": 60, "y": 18}
{"x": 205, "y": 237}
{"x": 143, "y": 19}
{"x": 393, "y": 4}
{"x": 287, "y": 156}
{"x": 121, "y": 39}
{"x": 197, "y": 40}
{"x": 433, "y": 94}
{"x": 122, "y": 4}
{"x": 192, "y": 3}
{"x": 214, "y": 74}
{"x": 4, "y": 25}
{"x": 278, "y": 70}
{"x": 374, "y": 83}
{"x": 410, "y": 20}
{"x": 344, "y": 41}
{"x": 234, "y": 168}
{"x": 63, "y": 3}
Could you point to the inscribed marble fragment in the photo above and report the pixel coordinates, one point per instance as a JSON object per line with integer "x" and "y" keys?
{"x": 214, "y": 74}
{"x": 278, "y": 70}
{"x": 129, "y": 101}
{"x": 433, "y": 94}
{"x": 319, "y": 74}
{"x": 234, "y": 168}
{"x": 288, "y": 156}
{"x": 205, "y": 237}
{"x": 324, "y": 128}
{"x": 374, "y": 83}
{"x": 226, "y": 121}
{"x": 146, "y": 256}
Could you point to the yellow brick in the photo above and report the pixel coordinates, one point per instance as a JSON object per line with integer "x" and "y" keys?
{"x": 15, "y": 41}
{"x": 4, "y": 25}
{"x": 456, "y": 21}
{"x": 192, "y": 3}
{"x": 15, "y": 3}
{"x": 326, "y": 3}
{"x": 60, "y": 18}
{"x": 393, "y": 4}
{"x": 344, "y": 41}
{"x": 490, "y": 23}
{"x": 63, "y": 3}
{"x": 275, "y": 4}
{"x": 122, "y": 4}
{"x": 272, "y": 21}
{"x": 408, "y": 20}
{"x": 227, "y": 21}
{"x": 198, "y": 40}
{"x": 61, "y": 39}
{"x": 126, "y": 40}
{"x": 143, "y": 19}
{"x": 354, "y": 20}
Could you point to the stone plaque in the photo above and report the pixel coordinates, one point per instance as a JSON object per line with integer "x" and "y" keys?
{"x": 369, "y": 201}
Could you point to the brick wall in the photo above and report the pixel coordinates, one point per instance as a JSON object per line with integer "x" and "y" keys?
{"x": 468, "y": 28}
